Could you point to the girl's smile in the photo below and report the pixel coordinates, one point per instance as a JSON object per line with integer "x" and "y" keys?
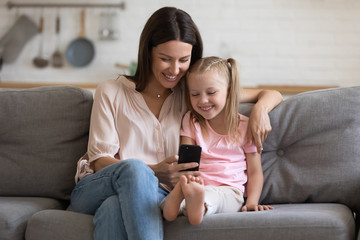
{"x": 208, "y": 93}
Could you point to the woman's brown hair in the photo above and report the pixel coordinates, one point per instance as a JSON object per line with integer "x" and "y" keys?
{"x": 166, "y": 24}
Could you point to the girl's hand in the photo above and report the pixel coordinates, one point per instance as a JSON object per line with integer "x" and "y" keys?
{"x": 256, "y": 207}
{"x": 168, "y": 171}
{"x": 259, "y": 126}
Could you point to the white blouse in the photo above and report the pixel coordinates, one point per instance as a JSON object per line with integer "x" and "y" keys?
{"x": 122, "y": 125}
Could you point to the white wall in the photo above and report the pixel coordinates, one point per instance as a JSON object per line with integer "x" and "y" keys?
{"x": 301, "y": 42}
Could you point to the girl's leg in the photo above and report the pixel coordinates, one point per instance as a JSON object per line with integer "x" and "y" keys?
{"x": 222, "y": 199}
{"x": 194, "y": 194}
{"x": 171, "y": 204}
{"x": 137, "y": 198}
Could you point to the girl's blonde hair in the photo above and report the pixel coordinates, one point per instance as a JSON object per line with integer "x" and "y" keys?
{"x": 229, "y": 69}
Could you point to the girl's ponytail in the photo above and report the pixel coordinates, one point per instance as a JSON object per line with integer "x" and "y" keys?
{"x": 233, "y": 99}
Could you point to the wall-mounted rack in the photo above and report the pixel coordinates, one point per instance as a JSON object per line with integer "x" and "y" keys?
{"x": 64, "y": 5}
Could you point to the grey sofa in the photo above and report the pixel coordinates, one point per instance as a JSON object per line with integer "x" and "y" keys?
{"x": 311, "y": 164}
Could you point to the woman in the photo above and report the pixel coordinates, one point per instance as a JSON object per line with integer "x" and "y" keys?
{"x": 134, "y": 132}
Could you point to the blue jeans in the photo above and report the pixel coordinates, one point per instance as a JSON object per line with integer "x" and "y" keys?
{"x": 124, "y": 199}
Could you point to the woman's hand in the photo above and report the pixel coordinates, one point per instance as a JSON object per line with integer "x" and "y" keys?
{"x": 259, "y": 126}
{"x": 259, "y": 122}
{"x": 168, "y": 171}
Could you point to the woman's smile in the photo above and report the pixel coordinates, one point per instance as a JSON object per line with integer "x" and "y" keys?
{"x": 170, "y": 78}
{"x": 170, "y": 61}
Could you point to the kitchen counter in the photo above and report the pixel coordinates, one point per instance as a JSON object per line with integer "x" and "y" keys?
{"x": 283, "y": 89}
{"x": 33, "y": 85}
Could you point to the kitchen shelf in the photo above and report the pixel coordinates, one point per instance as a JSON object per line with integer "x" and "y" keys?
{"x": 35, "y": 85}
{"x": 294, "y": 89}
{"x": 283, "y": 89}
{"x": 65, "y": 5}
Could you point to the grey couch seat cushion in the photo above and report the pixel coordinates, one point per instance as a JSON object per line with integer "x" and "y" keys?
{"x": 43, "y": 131}
{"x": 59, "y": 225}
{"x": 287, "y": 221}
{"x": 15, "y": 211}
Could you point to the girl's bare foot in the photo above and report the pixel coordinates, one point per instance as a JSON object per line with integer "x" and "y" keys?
{"x": 173, "y": 201}
{"x": 194, "y": 193}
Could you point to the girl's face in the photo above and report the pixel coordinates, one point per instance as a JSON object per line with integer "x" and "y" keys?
{"x": 208, "y": 93}
{"x": 170, "y": 61}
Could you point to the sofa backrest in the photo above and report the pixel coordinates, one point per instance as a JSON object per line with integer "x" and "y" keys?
{"x": 43, "y": 132}
{"x": 311, "y": 155}
{"x": 313, "y": 151}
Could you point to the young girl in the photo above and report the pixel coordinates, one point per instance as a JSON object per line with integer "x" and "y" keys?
{"x": 228, "y": 161}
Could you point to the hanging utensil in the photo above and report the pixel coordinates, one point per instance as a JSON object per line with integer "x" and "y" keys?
{"x": 57, "y": 57}
{"x": 104, "y": 25}
{"x": 15, "y": 39}
{"x": 81, "y": 50}
{"x": 40, "y": 61}
{"x": 107, "y": 29}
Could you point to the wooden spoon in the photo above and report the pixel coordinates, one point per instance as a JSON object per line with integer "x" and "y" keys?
{"x": 40, "y": 61}
{"x": 57, "y": 57}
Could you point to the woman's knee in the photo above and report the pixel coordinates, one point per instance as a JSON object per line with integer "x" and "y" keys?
{"x": 135, "y": 167}
{"x": 135, "y": 170}
{"x": 134, "y": 164}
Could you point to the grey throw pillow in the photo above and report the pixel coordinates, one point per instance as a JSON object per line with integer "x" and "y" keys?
{"x": 43, "y": 132}
{"x": 313, "y": 152}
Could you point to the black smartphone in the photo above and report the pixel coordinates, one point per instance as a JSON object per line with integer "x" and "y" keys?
{"x": 189, "y": 153}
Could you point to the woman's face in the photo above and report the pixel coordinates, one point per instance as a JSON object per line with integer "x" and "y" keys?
{"x": 170, "y": 61}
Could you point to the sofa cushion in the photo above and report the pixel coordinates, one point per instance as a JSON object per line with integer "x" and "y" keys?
{"x": 287, "y": 221}
{"x": 15, "y": 212}
{"x": 313, "y": 153}
{"x": 59, "y": 225}
{"x": 43, "y": 131}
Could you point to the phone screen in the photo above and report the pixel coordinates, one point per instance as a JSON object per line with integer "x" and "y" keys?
{"x": 189, "y": 153}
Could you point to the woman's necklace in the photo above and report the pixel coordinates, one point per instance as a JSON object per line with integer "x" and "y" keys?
{"x": 158, "y": 95}
{"x": 153, "y": 94}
